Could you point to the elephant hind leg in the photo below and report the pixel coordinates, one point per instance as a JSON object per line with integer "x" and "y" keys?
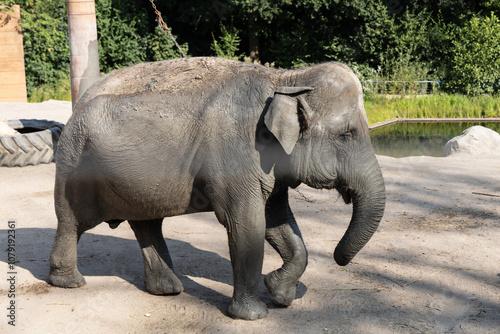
{"x": 63, "y": 259}
{"x": 159, "y": 276}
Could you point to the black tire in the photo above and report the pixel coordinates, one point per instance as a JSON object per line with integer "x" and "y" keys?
{"x": 35, "y": 144}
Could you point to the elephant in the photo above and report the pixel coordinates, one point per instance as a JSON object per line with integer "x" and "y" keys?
{"x": 205, "y": 134}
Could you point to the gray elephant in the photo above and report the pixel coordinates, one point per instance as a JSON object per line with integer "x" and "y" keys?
{"x": 189, "y": 135}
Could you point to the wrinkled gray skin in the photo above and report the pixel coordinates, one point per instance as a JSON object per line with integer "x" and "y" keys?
{"x": 204, "y": 134}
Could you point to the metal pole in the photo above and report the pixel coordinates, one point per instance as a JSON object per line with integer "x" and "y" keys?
{"x": 84, "y": 62}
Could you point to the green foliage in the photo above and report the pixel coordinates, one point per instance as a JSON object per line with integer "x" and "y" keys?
{"x": 228, "y": 43}
{"x": 397, "y": 40}
{"x": 120, "y": 44}
{"x": 128, "y": 35}
{"x": 161, "y": 47}
{"x": 491, "y": 6}
{"x": 376, "y": 33}
{"x": 45, "y": 37}
{"x": 364, "y": 72}
{"x": 475, "y": 64}
{"x": 60, "y": 90}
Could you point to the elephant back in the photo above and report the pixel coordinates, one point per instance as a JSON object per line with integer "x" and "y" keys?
{"x": 178, "y": 76}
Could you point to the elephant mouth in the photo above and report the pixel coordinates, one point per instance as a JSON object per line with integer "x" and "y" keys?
{"x": 345, "y": 193}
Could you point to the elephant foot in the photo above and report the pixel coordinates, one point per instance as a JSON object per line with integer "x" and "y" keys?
{"x": 72, "y": 280}
{"x": 163, "y": 282}
{"x": 283, "y": 292}
{"x": 248, "y": 309}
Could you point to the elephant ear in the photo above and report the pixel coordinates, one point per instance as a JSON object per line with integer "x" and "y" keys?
{"x": 282, "y": 116}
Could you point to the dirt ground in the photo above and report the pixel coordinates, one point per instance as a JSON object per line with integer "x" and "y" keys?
{"x": 433, "y": 266}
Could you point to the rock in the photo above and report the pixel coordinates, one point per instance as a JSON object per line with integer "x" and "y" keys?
{"x": 5, "y": 129}
{"x": 476, "y": 140}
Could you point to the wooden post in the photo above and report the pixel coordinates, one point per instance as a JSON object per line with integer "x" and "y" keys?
{"x": 84, "y": 62}
{"x": 12, "y": 71}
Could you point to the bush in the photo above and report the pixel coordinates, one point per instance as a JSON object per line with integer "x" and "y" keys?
{"x": 475, "y": 66}
{"x": 120, "y": 44}
{"x": 388, "y": 40}
{"x": 128, "y": 34}
{"x": 60, "y": 90}
{"x": 45, "y": 37}
{"x": 228, "y": 44}
{"x": 161, "y": 47}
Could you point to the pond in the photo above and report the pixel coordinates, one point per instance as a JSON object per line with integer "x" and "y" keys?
{"x": 414, "y": 139}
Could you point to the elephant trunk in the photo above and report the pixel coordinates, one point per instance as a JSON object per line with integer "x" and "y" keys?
{"x": 367, "y": 192}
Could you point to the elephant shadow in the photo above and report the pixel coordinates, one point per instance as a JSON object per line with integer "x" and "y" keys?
{"x": 104, "y": 255}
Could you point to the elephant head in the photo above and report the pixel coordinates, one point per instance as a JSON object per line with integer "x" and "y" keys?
{"x": 318, "y": 117}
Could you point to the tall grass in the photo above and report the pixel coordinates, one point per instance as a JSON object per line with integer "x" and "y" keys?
{"x": 61, "y": 90}
{"x": 381, "y": 108}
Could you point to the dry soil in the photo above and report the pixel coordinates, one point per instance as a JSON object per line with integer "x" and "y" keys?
{"x": 433, "y": 266}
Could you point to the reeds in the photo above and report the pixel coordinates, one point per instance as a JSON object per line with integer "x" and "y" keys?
{"x": 381, "y": 108}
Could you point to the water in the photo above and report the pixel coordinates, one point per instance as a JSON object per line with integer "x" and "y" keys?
{"x": 415, "y": 139}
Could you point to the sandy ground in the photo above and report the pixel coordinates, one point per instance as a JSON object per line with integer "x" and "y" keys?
{"x": 433, "y": 266}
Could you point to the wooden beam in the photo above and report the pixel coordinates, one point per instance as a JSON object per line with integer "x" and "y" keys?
{"x": 435, "y": 120}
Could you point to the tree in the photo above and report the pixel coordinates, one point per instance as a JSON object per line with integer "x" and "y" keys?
{"x": 475, "y": 61}
{"x": 397, "y": 39}
{"x": 128, "y": 35}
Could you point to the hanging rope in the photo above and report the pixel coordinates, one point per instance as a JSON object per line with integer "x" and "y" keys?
{"x": 163, "y": 26}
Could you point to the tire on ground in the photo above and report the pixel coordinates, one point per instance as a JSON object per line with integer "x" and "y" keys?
{"x": 36, "y": 143}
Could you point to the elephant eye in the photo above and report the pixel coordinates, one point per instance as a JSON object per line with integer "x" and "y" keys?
{"x": 347, "y": 135}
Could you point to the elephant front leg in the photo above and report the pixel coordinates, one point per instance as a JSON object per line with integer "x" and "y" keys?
{"x": 159, "y": 276}
{"x": 245, "y": 224}
{"x": 284, "y": 235}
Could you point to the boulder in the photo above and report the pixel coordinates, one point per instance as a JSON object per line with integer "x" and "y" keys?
{"x": 476, "y": 140}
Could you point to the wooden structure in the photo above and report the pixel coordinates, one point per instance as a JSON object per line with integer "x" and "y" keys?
{"x": 434, "y": 120}
{"x": 12, "y": 72}
{"x": 84, "y": 62}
